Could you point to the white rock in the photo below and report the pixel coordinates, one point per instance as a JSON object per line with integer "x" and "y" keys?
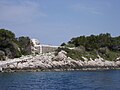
{"x": 118, "y": 63}
{"x": 61, "y": 56}
{"x": 85, "y": 59}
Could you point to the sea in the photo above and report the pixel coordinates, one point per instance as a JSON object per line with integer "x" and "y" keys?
{"x": 62, "y": 80}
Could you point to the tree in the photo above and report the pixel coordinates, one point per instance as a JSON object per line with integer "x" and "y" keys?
{"x": 97, "y": 41}
{"x": 6, "y": 34}
{"x": 63, "y": 44}
{"x": 8, "y": 44}
{"x": 25, "y": 45}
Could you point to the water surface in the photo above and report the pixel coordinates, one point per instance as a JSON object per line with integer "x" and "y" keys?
{"x": 67, "y": 80}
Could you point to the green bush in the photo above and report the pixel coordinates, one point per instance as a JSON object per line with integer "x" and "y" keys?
{"x": 77, "y": 55}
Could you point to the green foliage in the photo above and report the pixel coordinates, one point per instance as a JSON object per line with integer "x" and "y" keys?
{"x": 8, "y": 44}
{"x": 6, "y": 34}
{"x": 97, "y": 41}
{"x": 24, "y": 44}
{"x": 77, "y": 55}
{"x": 12, "y": 46}
{"x": 103, "y": 44}
{"x": 108, "y": 54}
{"x": 63, "y": 44}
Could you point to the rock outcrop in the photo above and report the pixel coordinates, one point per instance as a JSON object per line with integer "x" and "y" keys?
{"x": 60, "y": 62}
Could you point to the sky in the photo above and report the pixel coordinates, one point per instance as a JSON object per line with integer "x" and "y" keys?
{"x": 56, "y": 21}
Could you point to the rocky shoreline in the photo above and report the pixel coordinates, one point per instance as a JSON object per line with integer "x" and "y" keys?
{"x": 60, "y": 62}
{"x": 59, "y": 70}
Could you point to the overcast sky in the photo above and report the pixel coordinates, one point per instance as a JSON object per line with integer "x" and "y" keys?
{"x": 57, "y": 21}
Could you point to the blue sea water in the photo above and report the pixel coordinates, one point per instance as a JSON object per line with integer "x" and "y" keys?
{"x": 66, "y": 80}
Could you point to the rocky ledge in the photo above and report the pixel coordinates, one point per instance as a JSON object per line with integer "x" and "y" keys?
{"x": 60, "y": 62}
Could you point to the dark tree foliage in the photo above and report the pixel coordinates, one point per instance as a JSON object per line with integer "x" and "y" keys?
{"x": 97, "y": 41}
{"x": 6, "y": 37}
{"x": 104, "y": 45}
{"x": 6, "y": 34}
{"x": 12, "y": 46}
{"x": 63, "y": 44}
{"x": 25, "y": 45}
{"x": 8, "y": 44}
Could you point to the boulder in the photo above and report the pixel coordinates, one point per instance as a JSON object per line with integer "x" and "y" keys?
{"x": 91, "y": 63}
{"x": 84, "y": 58}
{"x": 61, "y": 56}
{"x": 117, "y": 59}
{"x": 118, "y": 63}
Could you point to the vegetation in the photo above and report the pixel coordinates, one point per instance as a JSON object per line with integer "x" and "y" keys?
{"x": 12, "y": 46}
{"x": 103, "y": 44}
{"x": 6, "y": 34}
{"x": 25, "y": 45}
{"x": 77, "y": 54}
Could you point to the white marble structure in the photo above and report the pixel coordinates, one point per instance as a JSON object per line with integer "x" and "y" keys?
{"x": 40, "y": 48}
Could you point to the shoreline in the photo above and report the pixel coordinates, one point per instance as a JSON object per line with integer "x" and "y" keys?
{"x": 60, "y": 70}
{"x": 50, "y": 62}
